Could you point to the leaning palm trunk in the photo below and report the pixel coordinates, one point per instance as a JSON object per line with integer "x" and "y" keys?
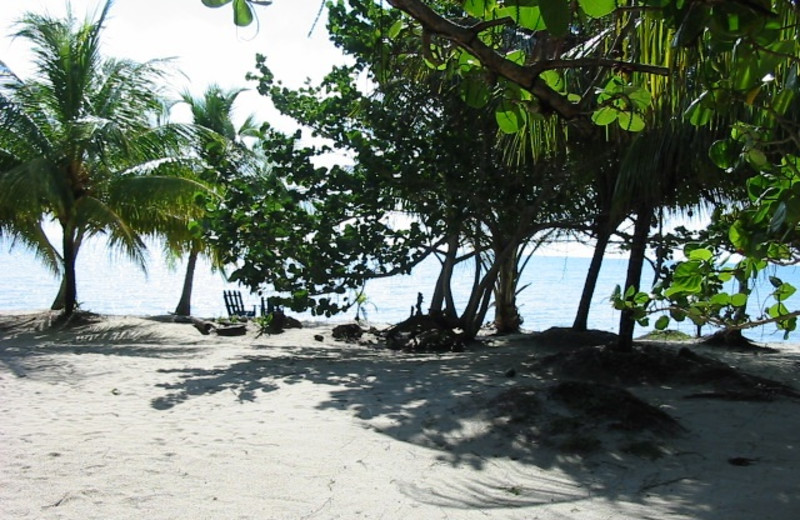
{"x": 641, "y": 229}
{"x": 58, "y": 303}
{"x": 184, "y": 307}
{"x": 589, "y": 286}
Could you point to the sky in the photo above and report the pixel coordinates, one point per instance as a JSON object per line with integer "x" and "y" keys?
{"x": 207, "y": 47}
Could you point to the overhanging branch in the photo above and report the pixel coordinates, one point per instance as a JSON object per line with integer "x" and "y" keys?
{"x": 526, "y": 76}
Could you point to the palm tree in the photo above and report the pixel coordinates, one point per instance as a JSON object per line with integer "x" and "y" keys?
{"x": 79, "y": 147}
{"x": 219, "y": 146}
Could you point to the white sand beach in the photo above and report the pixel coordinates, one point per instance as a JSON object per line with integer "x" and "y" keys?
{"x": 134, "y": 418}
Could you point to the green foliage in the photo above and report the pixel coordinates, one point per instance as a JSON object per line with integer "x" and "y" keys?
{"x": 420, "y": 153}
{"x": 630, "y": 71}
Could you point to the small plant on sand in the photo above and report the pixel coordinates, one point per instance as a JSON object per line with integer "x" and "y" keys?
{"x": 264, "y": 324}
{"x": 362, "y": 300}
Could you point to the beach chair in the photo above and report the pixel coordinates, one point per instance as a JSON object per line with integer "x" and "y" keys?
{"x": 235, "y": 305}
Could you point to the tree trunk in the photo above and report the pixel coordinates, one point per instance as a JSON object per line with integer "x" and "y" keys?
{"x": 184, "y": 307}
{"x": 442, "y": 303}
{"x": 70, "y": 245}
{"x": 635, "y": 263}
{"x": 589, "y": 286}
{"x": 506, "y": 315}
{"x": 58, "y": 303}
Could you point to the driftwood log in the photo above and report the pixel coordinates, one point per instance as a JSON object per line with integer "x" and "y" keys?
{"x": 206, "y": 327}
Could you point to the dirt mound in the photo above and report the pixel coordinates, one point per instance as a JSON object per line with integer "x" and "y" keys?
{"x": 567, "y": 337}
{"x": 658, "y": 365}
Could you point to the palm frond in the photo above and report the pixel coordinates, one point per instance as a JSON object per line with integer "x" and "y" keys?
{"x": 97, "y": 217}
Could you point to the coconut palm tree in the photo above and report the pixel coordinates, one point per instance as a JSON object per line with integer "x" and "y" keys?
{"x": 220, "y": 146}
{"x": 79, "y": 147}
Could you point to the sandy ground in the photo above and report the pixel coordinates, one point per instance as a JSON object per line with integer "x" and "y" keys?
{"x": 142, "y": 418}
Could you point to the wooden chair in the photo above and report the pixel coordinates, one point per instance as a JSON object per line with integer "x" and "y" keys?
{"x": 235, "y": 305}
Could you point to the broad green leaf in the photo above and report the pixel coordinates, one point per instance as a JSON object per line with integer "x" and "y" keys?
{"x": 677, "y": 314}
{"x": 777, "y": 310}
{"x": 467, "y": 61}
{"x": 598, "y": 8}
{"x": 777, "y": 52}
{"x": 662, "y": 323}
{"x": 215, "y": 3}
{"x": 739, "y": 300}
{"x": 556, "y": 14}
{"x": 242, "y": 14}
{"x": 640, "y": 97}
{"x": 478, "y": 8}
{"x": 687, "y": 278}
{"x": 509, "y": 118}
{"x": 698, "y": 113}
{"x": 782, "y": 100}
{"x": 554, "y": 80}
{"x": 723, "y": 154}
{"x": 517, "y": 57}
{"x": 529, "y": 17}
{"x": 775, "y": 281}
{"x": 604, "y": 116}
{"x": 630, "y": 121}
{"x": 784, "y": 291}
{"x": 745, "y": 75}
{"x": 701, "y": 254}
{"x": 396, "y": 28}
{"x": 720, "y": 299}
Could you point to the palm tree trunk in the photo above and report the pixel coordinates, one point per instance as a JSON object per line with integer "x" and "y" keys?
{"x": 70, "y": 245}
{"x": 589, "y": 286}
{"x": 184, "y": 307}
{"x": 633, "y": 279}
{"x": 58, "y": 303}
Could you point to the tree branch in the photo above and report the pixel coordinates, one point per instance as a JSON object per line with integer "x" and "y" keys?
{"x": 466, "y": 38}
{"x": 526, "y": 76}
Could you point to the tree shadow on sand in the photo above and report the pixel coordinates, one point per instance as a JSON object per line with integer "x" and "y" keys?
{"x": 28, "y": 343}
{"x": 518, "y": 404}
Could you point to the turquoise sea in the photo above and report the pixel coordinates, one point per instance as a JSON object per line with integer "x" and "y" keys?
{"x": 113, "y": 285}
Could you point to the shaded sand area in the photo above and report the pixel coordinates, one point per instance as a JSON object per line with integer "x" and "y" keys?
{"x": 129, "y": 417}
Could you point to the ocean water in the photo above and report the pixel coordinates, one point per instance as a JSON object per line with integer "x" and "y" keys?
{"x": 113, "y": 285}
